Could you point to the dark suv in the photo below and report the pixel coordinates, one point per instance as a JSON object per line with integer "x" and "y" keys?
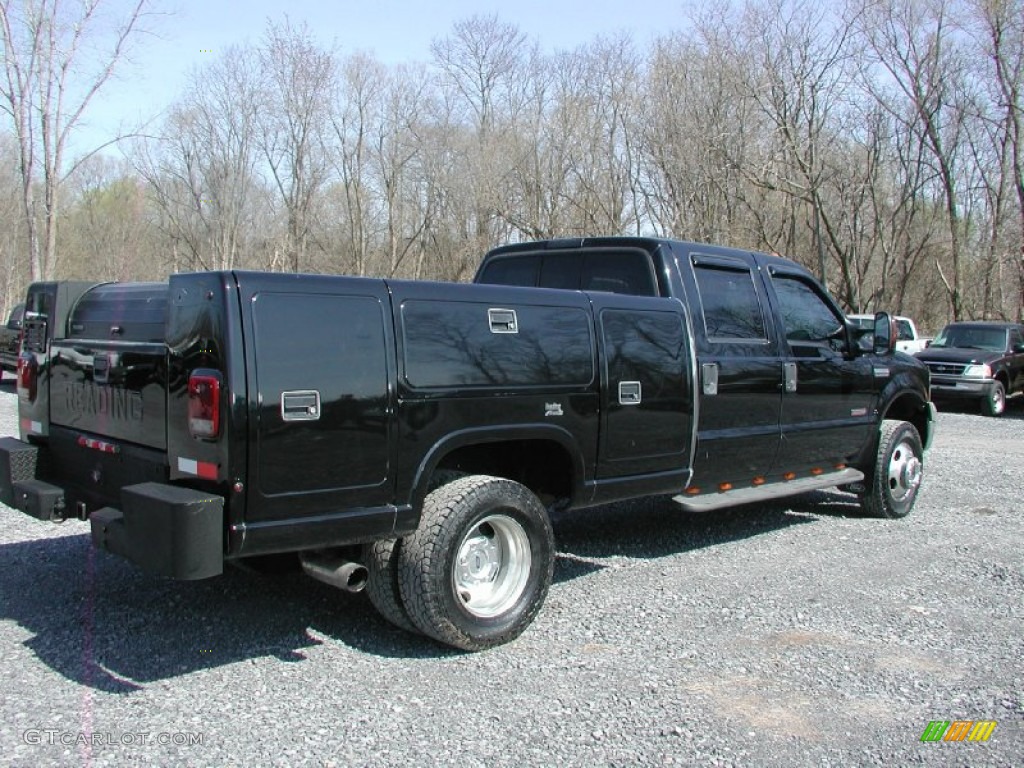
{"x": 977, "y": 360}
{"x": 10, "y": 339}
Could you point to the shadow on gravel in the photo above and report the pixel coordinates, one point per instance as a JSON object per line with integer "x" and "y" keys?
{"x": 100, "y": 622}
{"x": 121, "y": 629}
{"x": 1014, "y": 408}
{"x": 657, "y": 527}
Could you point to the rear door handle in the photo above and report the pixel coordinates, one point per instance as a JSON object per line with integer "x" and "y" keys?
{"x": 502, "y": 320}
{"x": 300, "y": 405}
{"x": 629, "y": 393}
{"x": 789, "y": 376}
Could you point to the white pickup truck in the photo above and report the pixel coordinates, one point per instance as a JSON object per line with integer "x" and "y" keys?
{"x": 907, "y": 340}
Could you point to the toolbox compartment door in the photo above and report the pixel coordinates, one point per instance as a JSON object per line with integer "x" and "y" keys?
{"x": 320, "y": 401}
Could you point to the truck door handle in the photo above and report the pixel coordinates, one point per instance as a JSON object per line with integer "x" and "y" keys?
{"x": 101, "y": 369}
{"x": 789, "y": 376}
{"x": 502, "y": 320}
{"x": 300, "y": 405}
{"x": 709, "y": 378}
{"x": 629, "y": 393}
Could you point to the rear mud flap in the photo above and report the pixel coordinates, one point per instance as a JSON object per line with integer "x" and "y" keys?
{"x": 165, "y": 530}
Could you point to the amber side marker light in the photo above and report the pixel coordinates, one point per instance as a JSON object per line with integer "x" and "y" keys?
{"x": 692, "y": 491}
{"x": 758, "y": 481}
{"x": 725, "y": 486}
{"x": 789, "y": 476}
{"x": 817, "y": 471}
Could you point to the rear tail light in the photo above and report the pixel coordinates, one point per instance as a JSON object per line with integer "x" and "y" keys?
{"x": 204, "y": 403}
{"x": 27, "y": 377}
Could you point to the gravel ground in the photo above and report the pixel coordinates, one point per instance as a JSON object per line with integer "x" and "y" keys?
{"x": 794, "y": 634}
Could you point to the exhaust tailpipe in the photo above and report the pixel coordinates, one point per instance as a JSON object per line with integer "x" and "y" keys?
{"x": 335, "y": 571}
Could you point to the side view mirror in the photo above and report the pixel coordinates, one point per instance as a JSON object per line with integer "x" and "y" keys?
{"x": 863, "y": 339}
{"x": 885, "y": 334}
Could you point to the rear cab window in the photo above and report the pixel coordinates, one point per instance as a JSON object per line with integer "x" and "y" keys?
{"x": 606, "y": 270}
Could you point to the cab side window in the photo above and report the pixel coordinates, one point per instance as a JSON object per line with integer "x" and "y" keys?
{"x": 809, "y": 321}
{"x": 732, "y": 311}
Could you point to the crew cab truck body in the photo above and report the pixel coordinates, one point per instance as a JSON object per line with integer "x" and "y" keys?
{"x": 411, "y": 437}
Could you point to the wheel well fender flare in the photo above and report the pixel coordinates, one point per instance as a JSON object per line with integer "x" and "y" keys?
{"x": 490, "y": 435}
{"x": 903, "y": 399}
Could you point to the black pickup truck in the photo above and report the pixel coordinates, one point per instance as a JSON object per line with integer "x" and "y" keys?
{"x": 10, "y": 339}
{"x": 411, "y": 438}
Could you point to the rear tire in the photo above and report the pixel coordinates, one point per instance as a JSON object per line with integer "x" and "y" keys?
{"x": 381, "y": 560}
{"x": 476, "y": 571}
{"x": 995, "y": 403}
{"x": 898, "y": 471}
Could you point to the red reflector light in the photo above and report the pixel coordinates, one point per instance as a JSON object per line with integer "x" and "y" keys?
{"x": 204, "y": 403}
{"x": 27, "y": 378}
{"x": 98, "y": 445}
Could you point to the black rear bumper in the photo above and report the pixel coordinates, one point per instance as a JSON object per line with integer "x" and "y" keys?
{"x": 166, "y": 530}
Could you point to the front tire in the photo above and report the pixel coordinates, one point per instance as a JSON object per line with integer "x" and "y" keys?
{"x": 477, "y": 570}
{"x": 898, "y": 471}
{"x": 995, "y": 402}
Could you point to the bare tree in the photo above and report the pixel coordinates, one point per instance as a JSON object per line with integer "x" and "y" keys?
{"x": 51, "y": 75}
{"x": 483, "y": 68}
{"x": 603, "y": 196}
{"x": 398, "y": 151}
{"x": 357, "y": 109}
{"x": 13, "y": 267}
{"x": 1000, "y": 34}
{"x": 695, "y": 138}
{"x": 107, "y": 233}
{"x": 203, "y": 171}
{"x": 913, "y": 42}
{"x": 299, "y": 79}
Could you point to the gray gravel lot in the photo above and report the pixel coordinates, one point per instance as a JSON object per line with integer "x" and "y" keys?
{"x": 794, "y": 634}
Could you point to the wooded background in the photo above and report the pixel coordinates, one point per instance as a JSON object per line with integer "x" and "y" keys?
{"x": 878, "y": 142}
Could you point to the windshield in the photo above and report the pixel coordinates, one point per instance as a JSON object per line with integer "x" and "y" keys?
{"x": 966, "y": 337}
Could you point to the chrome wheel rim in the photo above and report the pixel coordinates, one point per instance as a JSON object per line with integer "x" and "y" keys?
{"x": 492, "y": 567}
{"x": 998, "y": 401}
{"x": 905, "y": 471}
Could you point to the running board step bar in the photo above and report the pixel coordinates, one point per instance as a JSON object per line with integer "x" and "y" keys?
{"x": 779, "y": 490}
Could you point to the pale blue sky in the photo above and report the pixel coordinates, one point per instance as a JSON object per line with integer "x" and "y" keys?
{"x": 393, "y": 30}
